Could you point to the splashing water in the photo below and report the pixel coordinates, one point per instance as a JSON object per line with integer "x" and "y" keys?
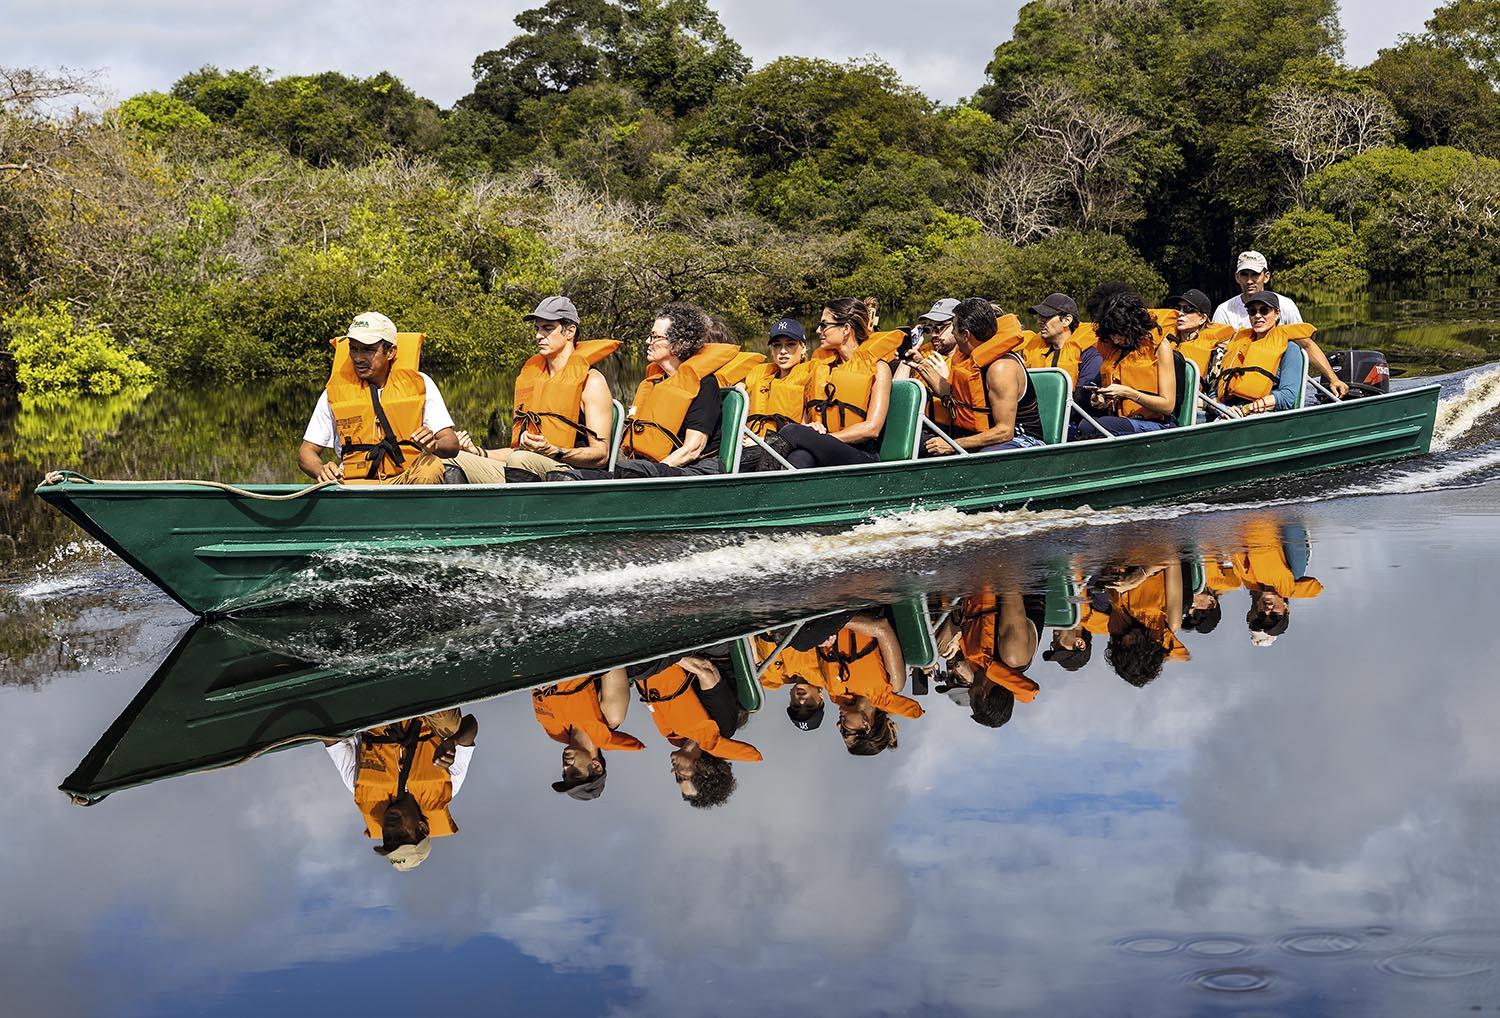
{"x": 1457, "y": 415}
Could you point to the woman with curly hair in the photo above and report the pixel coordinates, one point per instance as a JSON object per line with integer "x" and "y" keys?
{"x": 1138, "y": 377}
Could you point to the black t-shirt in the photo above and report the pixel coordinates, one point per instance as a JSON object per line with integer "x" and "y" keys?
{"x": 722, "y": 704}
{"x": 704, "y": 414}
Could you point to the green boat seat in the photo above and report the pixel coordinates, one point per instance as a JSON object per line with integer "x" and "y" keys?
{"x": 1187, "y": 391}
{"x": 1301, "y": 400}
{"x": 1053, "y": 388}
{"x": 1062, "y": 608}
{"x": 746, "y": 685}
{"x": 731, "y": 423}
{"x": 903, "y": 421}
{"x": 616, "y": 432}
{"x": 914, "y": 632}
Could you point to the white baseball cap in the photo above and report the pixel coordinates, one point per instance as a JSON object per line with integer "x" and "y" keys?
{"x": 372, "y": 327}
{"x": 1252, "y": 260}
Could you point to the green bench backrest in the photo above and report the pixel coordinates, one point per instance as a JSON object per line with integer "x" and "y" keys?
{"x": 741, "y": 655}
{"x": 731, "y": 421}
{"x": 1301, "y": 400}
{"x": 914, "y": 632}
{"x": 1187, "y": 392}
{"x": 1053, "y": 388}
{"x": 616, "y": 432}
{"x": 903, "y": 421}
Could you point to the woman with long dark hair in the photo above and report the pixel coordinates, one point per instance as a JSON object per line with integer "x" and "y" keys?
{"x": 1138, "y": 376}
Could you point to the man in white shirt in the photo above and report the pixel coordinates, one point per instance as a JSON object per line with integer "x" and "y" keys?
{"x": 372, "y": 343}
{"x": 1253, "y": 274}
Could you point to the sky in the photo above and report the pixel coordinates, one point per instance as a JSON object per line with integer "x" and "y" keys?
{"x": 148, "y": 44}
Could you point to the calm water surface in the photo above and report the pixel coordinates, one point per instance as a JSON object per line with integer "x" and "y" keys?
{"x": 1302, "y": 825}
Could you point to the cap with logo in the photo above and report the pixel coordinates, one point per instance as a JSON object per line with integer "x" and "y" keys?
{"x": 942, "y": 311}
{"x": 790, "y": 328}
{"x": 809, "y": 723}
{"x": 1252, "y": 260}
{"x": 407, "y": 857}
{"x": 1195, "y": 299}
{"x": 1265, "y": 297}
{"x": 1056, "y": 304}
{"x": 372, "y": 327}
{"x": 554, "y": 309}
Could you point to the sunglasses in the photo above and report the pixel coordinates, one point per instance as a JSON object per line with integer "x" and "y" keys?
{"x": 824, "y": 326}
{"x": 1259, "y": 311}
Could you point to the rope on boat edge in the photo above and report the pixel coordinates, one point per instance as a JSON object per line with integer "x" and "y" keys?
{"x": 59, "y": 476}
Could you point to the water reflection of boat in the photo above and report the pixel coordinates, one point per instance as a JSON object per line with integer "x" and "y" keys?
{"x": 230, "y": 691}
{"x": 212, "y": 550}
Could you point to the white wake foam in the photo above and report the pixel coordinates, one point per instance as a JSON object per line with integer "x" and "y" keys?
{"x": 1456, "y": 415}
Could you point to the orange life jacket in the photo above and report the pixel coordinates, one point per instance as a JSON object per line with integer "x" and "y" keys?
{"x": 850, "y": 668}
{"x": 736, "y": 370}
{"x": 835, "y": 391}
{"x": 979, "y": 636}
{"x": 1263, "y": 565}
{"x": 679, "y": 715}
{"x": 788, "y": 665}
{"x": 575, "y": 704}
{"x": 369, "y": 454}
{"x": 775, "y": 401}
{"x": 1219, "y": 577}
{"x": 378, "y": 779}
{"x": 653, "y": 429}
{"x": 1200, "y": 349}
{"x": 1147, "y": 604}
{"x": 1135, "y": 368}
{"x": 971, "y": 405}
{"x": 552, "y": 405}
{"x": 1251, "y": 367}
{"x": 939, "y": 408}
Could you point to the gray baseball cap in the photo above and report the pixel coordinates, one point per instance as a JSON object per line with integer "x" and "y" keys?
{"x": 942, "y": 311}
{"x": 555, "y": 309}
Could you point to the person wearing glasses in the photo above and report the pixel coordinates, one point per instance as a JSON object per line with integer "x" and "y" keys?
{"x": 1137, "y": 368}
{"x": 1253, "y": 274}
{"x": 1063, "y": 345}
{"x": 1195, "y": 337}
{"x": 562, "y": 406}
{"x": 848, "y": 392}
{"x": 994, "y": 403}
{"x": 1262, "y": 366}
{"x": 672, "y": 426}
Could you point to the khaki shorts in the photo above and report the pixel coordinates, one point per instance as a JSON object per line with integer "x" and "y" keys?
{"x": 483, "y": 470}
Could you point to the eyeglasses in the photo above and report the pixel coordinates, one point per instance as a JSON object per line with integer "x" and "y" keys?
{"x": 824, "y": 326}
{"x": 1259, "y": 311}
{"x": 657, "y": 337}
{"x": 1187, "y": 309}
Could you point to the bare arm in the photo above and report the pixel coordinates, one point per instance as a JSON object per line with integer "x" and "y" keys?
{"x": 310, "y": 459}
{"x": 890, "y": 647}
{"x": 1016, "y": 637}
{"x": 693, "y": 444}
{"x": 1004, "y": 383}
{"x": 614, "y": 697}
{"x": 443, "y": 443}
{"x": 702, "y": 669}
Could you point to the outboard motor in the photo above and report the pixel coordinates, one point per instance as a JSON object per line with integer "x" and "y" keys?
{"x": 1366, "y": 371}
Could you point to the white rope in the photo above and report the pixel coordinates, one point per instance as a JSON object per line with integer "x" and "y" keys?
{"x": 59, "y": 476}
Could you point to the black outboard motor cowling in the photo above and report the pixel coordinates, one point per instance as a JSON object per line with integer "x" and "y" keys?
{"x": 1366, "y": 371}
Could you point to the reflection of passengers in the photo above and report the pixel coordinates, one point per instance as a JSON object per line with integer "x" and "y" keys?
{"x": 848, "y": 392}
{"x": 403, "y": 777}
{"x": 384, "y": 420}
{"x": 796, "y": 668}
{"x": 864, "y": 673}
{"x": 998, "y": 636}
{"x": 697, "y": 712}
{"x": 562, "y": 405}
{"x": 1141, "y": 608}
{"x": 994, "y": 404}
{"x": 1203, "y": 612}
{"x": 583, "y": 714}
{"x": 1273, "y": 569}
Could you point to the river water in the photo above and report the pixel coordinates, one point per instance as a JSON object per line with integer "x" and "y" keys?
{"x": 1195, "y": 817}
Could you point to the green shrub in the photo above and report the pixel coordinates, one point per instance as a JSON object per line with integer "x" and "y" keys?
{"x": 54, "y": 356}
{"x": 1315, "y": 253}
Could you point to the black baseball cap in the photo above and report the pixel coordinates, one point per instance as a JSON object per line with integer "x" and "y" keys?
{"x": 809, "y": 723}
{"x": 1056, "y": 304}
{"x": 789, "y": 327}
{"x": 1196, "y": 299}
{"x": 1265, "y": 297}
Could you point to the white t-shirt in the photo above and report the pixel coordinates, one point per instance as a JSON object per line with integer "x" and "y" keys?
{"x": 1232, "y": 312}
{"x": 321, "y": 429}
{"x": 345, "y": 756}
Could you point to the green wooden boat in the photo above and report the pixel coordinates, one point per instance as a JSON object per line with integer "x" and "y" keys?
{"x": 216, "y": 551}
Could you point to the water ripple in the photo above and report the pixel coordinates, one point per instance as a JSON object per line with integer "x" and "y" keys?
{"x": 1149, "y": 945}
{"x": 1232, "y": 980}
{"x": 1218, "y": 946}
{"x": 1320, "y": 943}
{"x": 1428, "y": 964}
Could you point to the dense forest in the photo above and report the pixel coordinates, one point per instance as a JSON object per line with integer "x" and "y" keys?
{"x": 626, "y": 152}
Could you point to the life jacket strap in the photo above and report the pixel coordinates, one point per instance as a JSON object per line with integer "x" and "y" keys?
{"x": 649, "y": 695}
{"x": 635, "y": 426}
{"x": 529, "y": 419}
{"x": 829, "y": 402}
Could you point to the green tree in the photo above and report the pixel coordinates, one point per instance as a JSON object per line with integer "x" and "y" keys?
{"x": 1472, "y": 28}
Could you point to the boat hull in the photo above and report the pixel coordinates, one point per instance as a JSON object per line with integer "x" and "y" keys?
{"x": 214, "y": 551}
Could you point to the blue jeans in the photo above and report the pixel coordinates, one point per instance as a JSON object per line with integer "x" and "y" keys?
{"x": 1019, "y": 442}
{"x": 1083, "y": 430}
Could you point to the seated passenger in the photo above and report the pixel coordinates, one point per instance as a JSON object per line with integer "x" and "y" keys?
{"x": 1062, "y": 345}
{"x": 1144, "y": 613}
{"x": 584, "y": 714}
{"x": 776, "y": 389}
{"x": 1196, "y": 338}
{"x": 930, "y": 357}
{"x": 1138, "y": 371}
{"x": 864, "y": 673}
{"x": 848, "y": 392}
{"x": 1273, "y": 569}
{"x": 994, "y": 403}
{"x": 1262, "y": 366}
{"x": 1253, "y": 275}
{"x": 384, "y": 420}
{"x": 562, "y": 404}
{"x": 672, "y": 427}
{"x": 697, "y": 712}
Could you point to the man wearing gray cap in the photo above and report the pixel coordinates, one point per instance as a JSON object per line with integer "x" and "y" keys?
{"x": 562, "y": 406}
{"x": 384, "y": 420}
{"x": 929, "y": 359}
